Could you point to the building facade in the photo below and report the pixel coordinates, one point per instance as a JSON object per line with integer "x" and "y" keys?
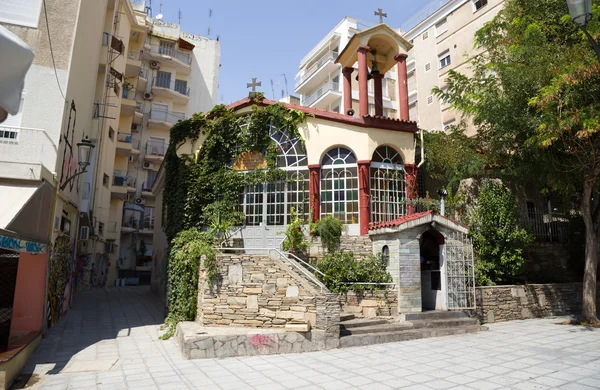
{"x": 319, "y": 81}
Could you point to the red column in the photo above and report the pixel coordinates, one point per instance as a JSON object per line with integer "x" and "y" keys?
{"x": 411, "y": 185}
{"x": 314, "y": 191}
{"x": 378, "y": 94}
{"x": 402, "y": 86}
{"x": 363, "y": 74}
{"x": 347, "y": 88}
{"x": 364, "y": 196}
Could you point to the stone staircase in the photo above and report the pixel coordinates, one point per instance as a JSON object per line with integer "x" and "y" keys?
{"x": 358, "y": 332}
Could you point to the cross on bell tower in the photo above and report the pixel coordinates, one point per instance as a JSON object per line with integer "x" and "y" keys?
{"x": 254, "y": 84}
{"x": 381, "y": 15}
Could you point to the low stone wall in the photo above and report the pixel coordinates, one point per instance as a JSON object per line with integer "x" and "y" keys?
{"x": 547, "y": 262}
{"x": 507, "y": 303}
{"x": 361, "y": 246}
{"x": 368, "y": 304}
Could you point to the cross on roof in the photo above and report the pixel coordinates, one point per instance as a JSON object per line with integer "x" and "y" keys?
{"x": 381, "y": 15}
{"x": 254, "y": 84}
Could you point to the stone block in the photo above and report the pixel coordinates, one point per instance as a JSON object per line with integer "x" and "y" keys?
{"x": 282, "y": 282}
{"x": 252, "y": 290}
{"x": 369, "y": 312}
{"x": 283, "y": 314}
{"x": 292, "y": 292}
{"x": 311, "y": 318}
{"x": 296, "y": 315}
{"x": 526, "y": 313}
{"x": 298, "y": 308}
{"x": 252, "y": 302}
{"x": 257, "y": 277}
{"x": 279, "y": 321}
{"x": 268, "y": 313}
{"x": 368, "y": 303}
{"x": 291, "y": 327}
{"x": 234, "y": 274}
{"x": 269, "y": 288}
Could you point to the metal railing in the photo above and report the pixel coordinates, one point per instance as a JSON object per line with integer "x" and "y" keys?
{"x": 120, "y": 178}
{"x": 167, "y": 116}
{"x": 129, "y": 92}
{"x": 547, "y": 227}
{"x": 134, "y": 55}
{"x": 179, "y": 86}
{"x": 330, "y": 86}
{"x": 131, "y": 181}
{"x": 329, "y": 56}
{"x": 181, "y": 56}
{"x": 124, "y": 137}
{"x": 156, "y": 148}
{"x": 27, "y": 146}
{"x": 148, "y": 218}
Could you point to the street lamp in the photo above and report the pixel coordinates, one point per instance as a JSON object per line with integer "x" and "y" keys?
{"x": 85, "y": 151}
{"x": 581, "y": 14}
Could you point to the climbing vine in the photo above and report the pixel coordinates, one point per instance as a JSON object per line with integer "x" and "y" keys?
{"x": 202, "y": 190}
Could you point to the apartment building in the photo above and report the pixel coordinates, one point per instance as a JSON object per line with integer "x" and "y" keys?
{"x": 319, "y": 81}
{"x": 443, "y": 39}
{"x": 177, "y": 77}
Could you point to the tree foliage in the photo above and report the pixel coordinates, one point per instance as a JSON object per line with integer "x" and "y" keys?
{"x": 341, "y": 269}
{"x": 498, "y": 239}
{"x": 533, "y": 96}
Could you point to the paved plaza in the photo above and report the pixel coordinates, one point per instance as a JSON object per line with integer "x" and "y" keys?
{"x": 109, "y": 340}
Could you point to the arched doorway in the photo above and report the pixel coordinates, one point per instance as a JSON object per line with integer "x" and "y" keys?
{"x": 432, "y": 270}
{"x": 388, "y": 185}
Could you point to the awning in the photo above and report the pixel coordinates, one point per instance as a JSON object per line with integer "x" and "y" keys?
{"x": 26, "y": 209}
{"x": 15, "y": 61}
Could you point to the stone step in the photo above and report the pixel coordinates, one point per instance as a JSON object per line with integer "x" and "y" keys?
{"x": 383, "y": 328}
{"x": 362, "y": 322}
{"x": 434, "y": 315}
{"x": 445, "y": 323}
{"x": 405, "y": 335}
{"x": 346, "y": 317}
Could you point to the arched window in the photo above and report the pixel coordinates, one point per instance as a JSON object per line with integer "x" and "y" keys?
{"x": 272, "y": 202}
{"x": 385, "y": 254}
{"x": 339, "y": 185}
{"x": 388, "y": 185}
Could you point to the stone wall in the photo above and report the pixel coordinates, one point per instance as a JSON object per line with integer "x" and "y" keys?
{"x": 507, "y": 303}
{"x": 368, "y": 304}
{"x": 262, "y": 292}
{"x": 361, "y": 246}
{"x": 546, "y": 262}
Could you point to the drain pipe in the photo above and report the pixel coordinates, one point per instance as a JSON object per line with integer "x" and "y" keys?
{"x": 442, "y": 193}
{"x": 422, "y": 150}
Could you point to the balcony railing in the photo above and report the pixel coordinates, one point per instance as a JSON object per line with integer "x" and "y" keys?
{"x": 179, "y": 86}
{"x": 120, "y": 178}
{"x": 129, "y": 93}
{"x": 132, "y": 219}
{"x": 134, "y": 55}
{"x": 148, "y": 218}
{"x": 167, "y": 116}
{"x": 27, "y": 146}
{"x": 330, "y": 86}
{"x": 182, "y": 56}
{"x": 147, "y": 186}
{"x": 156, "y": 148}
{"x": 124, "y": 137}
{"x": 547, "y": 227}
{"x": 329, "y": 56}
{"x": 131, "y": 181}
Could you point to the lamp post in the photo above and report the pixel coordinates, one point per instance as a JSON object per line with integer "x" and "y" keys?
{"x": 581, "y": 14}
{"x": 85, "y": 151}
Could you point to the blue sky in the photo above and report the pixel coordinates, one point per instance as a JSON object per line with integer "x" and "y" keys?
{"x": 267, "y": 38}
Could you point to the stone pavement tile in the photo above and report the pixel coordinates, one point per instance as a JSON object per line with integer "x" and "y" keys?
{"x": 398, "y": 383}
{"x": 504, "y": 380}
{"x": 335, "y": 385}
{"x": 565, "y": 376}
{"x": 479, "y": 374}
{"x": 233, "y": 385}
{"x": 173, "y": 386}
{"x": 379, "y": 386}
{"x": 380, "y": 376}
{"x": 576, "y": 386}
{"x": 296, "y": 384}
{"x": 550, "y": 382}
{"x": 54, "y": 387}
{"x": 483, "y": 385}
{"x": 420, "y": 378}
{"x": 460, "y": 379}
{"x": 580, "y": 371}
{"x": 357, "y": 380}
{"x": 528, "y": 385}
{"x": 590, "y": 382}
{"x": 141, "y": 383}
{"x": 522, "y": 375}
{"x": 440, "y": 374}
{"x": 539, "y": 370}
{"x": 111, "y": 386}
{"x": 417, "y": 387}
{"x": 458, "y": 369}
{"x": 440, "y": 384}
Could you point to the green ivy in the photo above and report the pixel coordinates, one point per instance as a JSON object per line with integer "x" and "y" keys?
{"x": 340, "y": 268}
{"x": 330, "y": 230}
{"x": 202, "y": 190}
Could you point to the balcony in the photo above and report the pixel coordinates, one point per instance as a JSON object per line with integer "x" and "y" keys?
{"x": 316, "y": 73}
{"x": 112, "y": 44}
{"x": 25, "y": 153}
{"x": 147, "y": 226}
{"x": 138, "y": 115}
{"x": 164, "y": 120}
{"x": 128, "y": 103}
{"x": 323, "y": 96}
{"x": 147, "y": 190}
{"x": 142, "y": 79}
{"x": 111, "y": 230}
{"x": 124, "y": 144}
{"x": 120, "y": 187}
{"x": 133, "y": 64}
{"x": 169, "y": 55}
{"x": 155, "y": 150}
{"x": 131, "y": 221}
{"x": 173, "y": 89}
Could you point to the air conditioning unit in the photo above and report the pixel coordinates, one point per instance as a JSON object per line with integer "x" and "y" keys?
{"x": 148, "y": 96}
{"x": 84, "y": 233}
{"x": 130, "y": 158}
{"x": 148, "y": 165}
{"x": 154, "y": 65}
{"x": 139, "y": 201}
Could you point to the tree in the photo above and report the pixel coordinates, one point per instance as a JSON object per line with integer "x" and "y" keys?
{"x": 533, "y": 95}
{"x": 498, "y": 239}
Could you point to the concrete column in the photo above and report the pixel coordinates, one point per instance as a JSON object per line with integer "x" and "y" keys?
{"x": 411, "y": 185}
{"x": 378, "y": 92}
{"x": 402, "y": 86}
{"x": 347, "y": 88}
{"x": 363, "y": 74}
{"x": 314, "y": 191}
{"x": 364, "y": 196}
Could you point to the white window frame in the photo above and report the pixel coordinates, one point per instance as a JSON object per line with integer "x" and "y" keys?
{"x": 475, "y": 9}
{"x": 340, "y": 173}
{"x": 444, "y": 59}
{"x": 388, "y": 194}
{"x": 24, "y": 12}
{"x": 444, "y": 27}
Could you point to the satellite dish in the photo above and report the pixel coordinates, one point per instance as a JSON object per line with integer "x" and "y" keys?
{"x": 159, "y": 16}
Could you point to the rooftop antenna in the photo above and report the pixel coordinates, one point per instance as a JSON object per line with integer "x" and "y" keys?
{"x": 148, "y": 8}
{"x": 272, "y": 89}
{"x": 209, "y": 17}
{"x": 180, "y": 15}
{"x": 160, "y": 15}
{"x": 285, "y": 79}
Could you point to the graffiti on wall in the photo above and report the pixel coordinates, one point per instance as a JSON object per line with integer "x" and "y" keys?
{"x": 60, "y": 278}
{"x": 69, "y": 162}
{"x": 99, "y": 270}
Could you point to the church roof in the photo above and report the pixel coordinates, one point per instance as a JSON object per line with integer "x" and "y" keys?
{"x": 417, "y": 219}
{"x": 378, "y": 122}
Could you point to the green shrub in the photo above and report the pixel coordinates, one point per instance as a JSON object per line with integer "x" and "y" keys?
{"x": 498, "y": 239}
{"x": 330, "y": 230}
{"x": 294, "y": 235}
{"x": 341, "y": 267}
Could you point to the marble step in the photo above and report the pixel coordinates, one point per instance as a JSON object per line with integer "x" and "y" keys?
{"x": 362, "y": 322}
{"x": 383, "y": 328}
{"x": 346, "y": 317}
{"x": 434, "y": 315}
{"x": 445, "y": 323}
